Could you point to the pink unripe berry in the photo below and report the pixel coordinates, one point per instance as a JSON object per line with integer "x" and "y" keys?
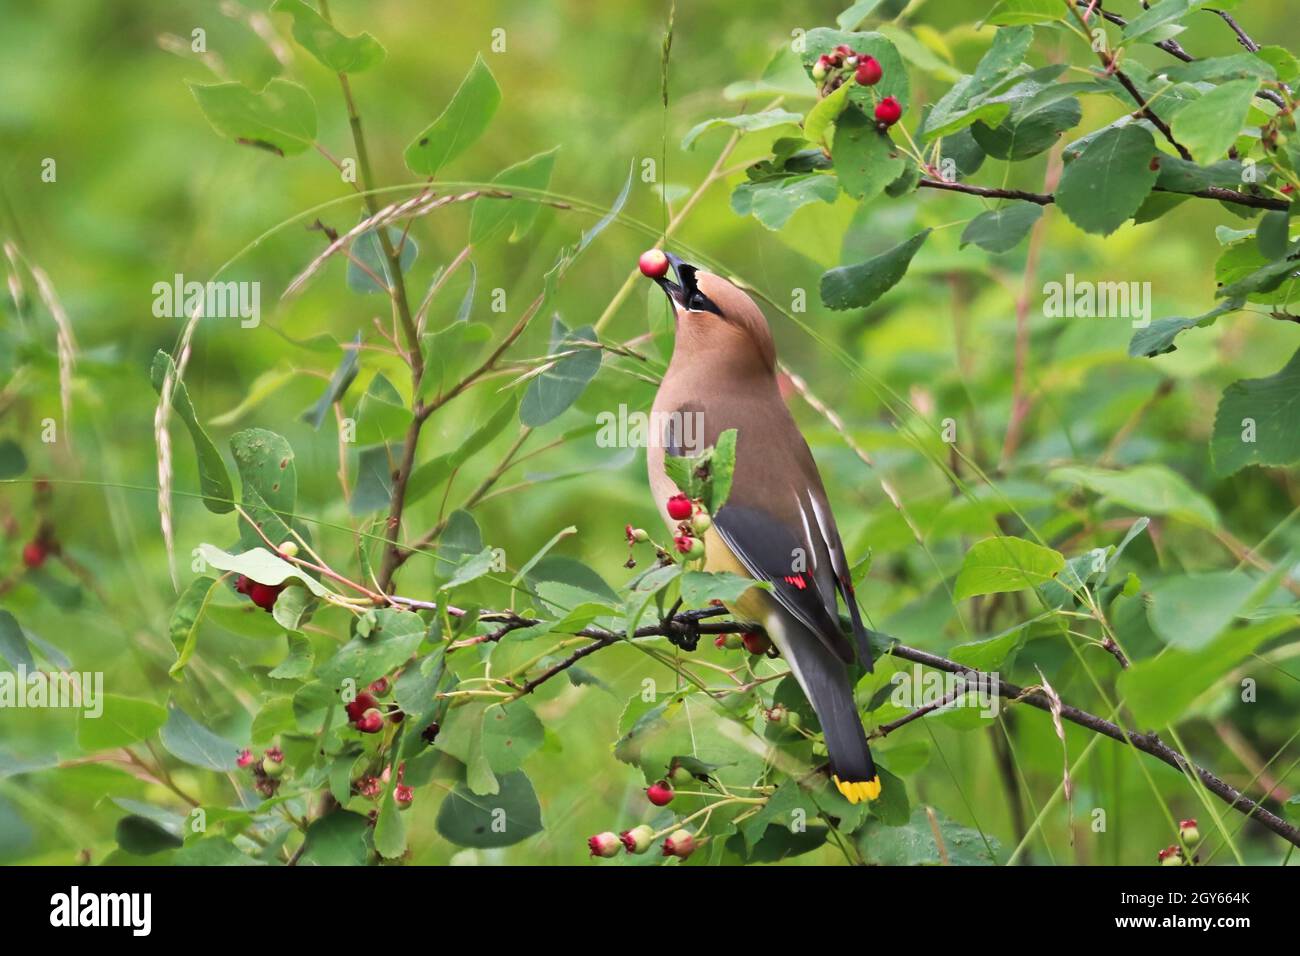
{"x": 604, "y": 844}
{"x": 680, "y": 844}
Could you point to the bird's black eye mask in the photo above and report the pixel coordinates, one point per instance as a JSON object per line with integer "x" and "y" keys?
{"x": 684, "y": 292}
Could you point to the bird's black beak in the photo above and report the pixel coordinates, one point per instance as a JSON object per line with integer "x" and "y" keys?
{"x": 680, "y": 291}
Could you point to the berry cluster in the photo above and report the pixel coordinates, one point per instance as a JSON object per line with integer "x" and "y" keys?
{"x": 833, "y": 70}
{"x": 679, "y": 843}
{"x": 266, "y": 772}
{"x": 693, "y": 521}
{"x": 366, "y": 714}
{"x": 371, "y": 786}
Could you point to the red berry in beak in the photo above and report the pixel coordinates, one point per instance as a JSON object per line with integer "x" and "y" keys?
{"x": 869, "y": 72}
{"x": 660, "y": 794}
{"x": 653, "y": 264}
{"x": 888, "y": 111}
{"x": 34, "y": 554}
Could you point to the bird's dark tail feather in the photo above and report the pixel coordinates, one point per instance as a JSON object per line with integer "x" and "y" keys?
{"x": 825, "y": 682}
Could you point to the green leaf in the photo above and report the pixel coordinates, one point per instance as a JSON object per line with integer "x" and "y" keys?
{"x": 184, "y": 623}
{"x": 866, "y": 160}
{"x": 13, "y": 643}
{"x": 12, "y": 460}
{"x": 722, "y": 470}
{"x": 701, "y": 587}
{"x": 1257, "y": 422}
{"x": 395, "y": 637}
{"x": 1145, "y": 489}
{"x": 822, "y": 117}
{"x": 552, "y": 392}
{"x": 1008, "y": 13}
{"x": 336, "y": 839}
{"x": 214, "y": 479}
{"x": 1216, "y": 69}
{"x": 124, "y": 721}
{"x": 1110, "y": 180}
{"x": 491, "y": 217}
{"x": 189, "y": 741}
{"x": 501, "y": 819}
{"x": 1190, "y": 611}
{"x": 281, "y": 119}
{"x": 1001, "y": 230}
{"x": 373, "y": 490}
{"x": 390, "y": 828}
{"x": 511, "y": 732}
{"x": 745, "y": 122}
{"x": 460, "y": 124}
{"x": 260, "y": 565}
{"x": 270, "y": 484}
{"x": 1160, "y": 689}
{"x": 340, "y": 53}
{"x": 1039, "y": 116}
{"x": 1210, "y": 125}
{"x": 1273, "y": 234}
{"x": 340, "y": 382}
{"x": 858, "y": 286}
{"x": 1158, "y": 337}
{"x": 996, "y": 565}
{"x": 298, "y": 662}
{"x": 1157, "y": 22}
{"x": 142, "y": 836}
{"x": 773, "y": 202}
{"x": 853, "y": 16}
{"x": 368, "y": 267}
{"x": 915, "y": 845}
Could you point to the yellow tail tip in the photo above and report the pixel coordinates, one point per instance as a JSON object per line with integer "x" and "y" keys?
{"x": 855, "y": 791}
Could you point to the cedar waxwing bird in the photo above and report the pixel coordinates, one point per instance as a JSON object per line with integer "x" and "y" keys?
{"x": 776, "y": 524}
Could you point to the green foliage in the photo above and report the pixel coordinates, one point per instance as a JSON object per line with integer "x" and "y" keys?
{"x": 1048, "y": 498}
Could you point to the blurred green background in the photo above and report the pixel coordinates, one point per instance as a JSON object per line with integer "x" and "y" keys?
{"x": 146, "y": 189}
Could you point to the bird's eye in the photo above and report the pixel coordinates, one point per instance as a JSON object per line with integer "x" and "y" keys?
{"x": 697, "y": 303}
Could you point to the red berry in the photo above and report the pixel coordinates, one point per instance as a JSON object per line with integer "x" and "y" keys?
{"x": 371, "y": 722}
{"x": 680, "y": 507}
{"x": 660, "y": 794}
{"x": 379, "y": 687}
{"x": 264, "y": 595}
{"x": 1154, "y": 165}
{"x": 396, "y": 717}
{"x": 653, "y": 264}
{"x": 756, "y": 643}
{"x": 359, "y": 705}
{"x": 245, "y": 759}
{"x": 243, "y": 584}
{"x": 888, "y": 111}
{"x": 869, "y": 71}
{"x": 34, "y": 554}
{"x": 845, "y": 50}
{"x": 1288, "y": 189}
